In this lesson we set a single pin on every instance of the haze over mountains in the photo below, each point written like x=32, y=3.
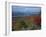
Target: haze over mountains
x=25, y=11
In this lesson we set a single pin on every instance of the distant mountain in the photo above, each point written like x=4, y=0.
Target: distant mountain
x=25, y=14
x=17, y=14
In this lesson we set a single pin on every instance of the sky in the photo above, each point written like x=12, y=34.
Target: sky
x=26, y=9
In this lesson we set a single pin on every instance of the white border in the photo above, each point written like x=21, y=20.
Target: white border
x=9, y=17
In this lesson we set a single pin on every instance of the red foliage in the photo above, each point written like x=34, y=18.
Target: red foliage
x=37, y=20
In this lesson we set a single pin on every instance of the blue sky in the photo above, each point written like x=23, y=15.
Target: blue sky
x=27, y=10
